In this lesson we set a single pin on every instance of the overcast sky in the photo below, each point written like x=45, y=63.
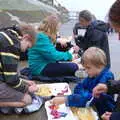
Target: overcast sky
x=98, y=7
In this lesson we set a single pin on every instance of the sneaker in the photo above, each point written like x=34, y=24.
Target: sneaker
x=80, y=73
x=18, y=110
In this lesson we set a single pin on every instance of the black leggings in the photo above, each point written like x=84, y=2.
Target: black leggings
x=60, y=69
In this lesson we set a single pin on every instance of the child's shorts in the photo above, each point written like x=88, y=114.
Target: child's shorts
x=9, y=94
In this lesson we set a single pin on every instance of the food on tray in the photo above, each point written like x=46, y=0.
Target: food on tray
x=83, y=113
x=63, y=91
x=44, y=91
x=54, y=112
x=57, y=114
x=53, y=107
x=53, y=89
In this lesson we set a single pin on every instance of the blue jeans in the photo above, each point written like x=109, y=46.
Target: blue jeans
x=60, y=69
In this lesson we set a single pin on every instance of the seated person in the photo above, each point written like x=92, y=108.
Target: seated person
x=15, y=92
x=43, y=58
x=94, y=62
x=90, y=32
x=112, y=87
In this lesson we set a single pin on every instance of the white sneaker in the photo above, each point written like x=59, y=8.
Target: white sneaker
x=80, y=73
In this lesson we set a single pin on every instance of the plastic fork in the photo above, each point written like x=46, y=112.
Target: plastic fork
x=89, y=102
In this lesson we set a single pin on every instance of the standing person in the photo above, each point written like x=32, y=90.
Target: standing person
x=43, y=57
x=94, y=62
x=112, y=86
x=91, y=32
x=14, y=92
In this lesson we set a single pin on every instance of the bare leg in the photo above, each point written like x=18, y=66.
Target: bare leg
x=25, y=101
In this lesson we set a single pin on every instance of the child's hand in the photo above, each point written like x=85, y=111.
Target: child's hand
x=58, y=100
x=76, y=48
x=106, y=116
x=29, y=82
x=100, y=88
x=33, y=88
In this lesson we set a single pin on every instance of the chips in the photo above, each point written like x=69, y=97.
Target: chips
x=44, y=91
x=83, y=113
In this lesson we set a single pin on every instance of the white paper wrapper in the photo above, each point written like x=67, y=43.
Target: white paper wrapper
x=81, y=32
x=62, y=108
x=70, y=116
x=57, y=88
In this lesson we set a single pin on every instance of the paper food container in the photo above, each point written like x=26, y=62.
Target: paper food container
x=53, y=89
x=60, y=112
x=84, y=113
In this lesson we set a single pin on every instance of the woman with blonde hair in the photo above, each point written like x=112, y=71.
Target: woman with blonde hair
x=43, y=57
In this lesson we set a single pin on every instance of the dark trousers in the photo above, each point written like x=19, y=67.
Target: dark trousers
x=60, y=69
x=115, y=116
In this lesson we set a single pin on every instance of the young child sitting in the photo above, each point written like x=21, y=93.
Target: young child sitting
x=95, y=64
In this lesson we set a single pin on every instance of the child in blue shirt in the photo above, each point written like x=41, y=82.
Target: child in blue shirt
x=94, y=62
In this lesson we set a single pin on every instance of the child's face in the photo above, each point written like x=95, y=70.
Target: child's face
x=84, y=22
x=92, y=70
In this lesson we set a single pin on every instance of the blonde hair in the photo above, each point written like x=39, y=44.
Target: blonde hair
x=49, y=26
x=94, y=56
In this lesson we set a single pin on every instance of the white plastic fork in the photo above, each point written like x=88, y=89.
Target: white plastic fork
x=88, y=102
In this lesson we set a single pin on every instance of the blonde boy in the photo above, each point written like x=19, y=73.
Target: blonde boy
x=94, y=62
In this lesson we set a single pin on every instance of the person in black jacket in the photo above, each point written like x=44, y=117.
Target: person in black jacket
x=112, y=87
x=91, y=32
